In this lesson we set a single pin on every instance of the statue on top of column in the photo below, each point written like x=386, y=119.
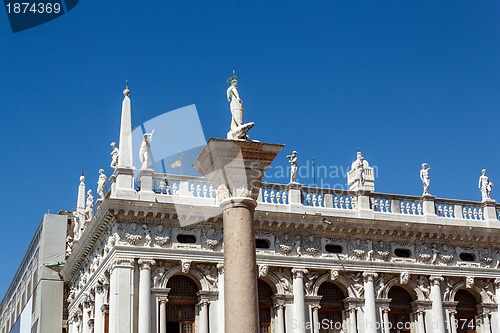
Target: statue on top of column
x=145, y=150
x=485, y=186
x=238, y=128
x=425, y=177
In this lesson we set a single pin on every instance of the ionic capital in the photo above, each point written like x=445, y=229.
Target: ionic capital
x=146, y=264
x=298, y=273
x=436, y=280
x=369, y=276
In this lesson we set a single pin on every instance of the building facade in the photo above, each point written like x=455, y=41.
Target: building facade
x=149, y=258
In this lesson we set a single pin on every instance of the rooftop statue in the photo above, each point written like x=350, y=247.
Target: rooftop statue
x=102, y=182
x=485, y=186
x=293, y=162
x=145, y=151
x=238, y=128
x=425, y=177
x=114, y=155
x=89, y=207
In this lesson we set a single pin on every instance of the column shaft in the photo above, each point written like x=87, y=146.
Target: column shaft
x=386, y=320
x=204, y=316
x=299, y=320
x=121, y=295
x=315, y=320
x=145, y=295
x=85, y=320
x=98, y=315
x=437, y=305
x=486, y=323
x=163, y=316
x=420, y=322
x=352, y=320
x=281, y=319
x=240, y=276
x=370, y=312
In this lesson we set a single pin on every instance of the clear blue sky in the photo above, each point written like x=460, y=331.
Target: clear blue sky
x=406, y=81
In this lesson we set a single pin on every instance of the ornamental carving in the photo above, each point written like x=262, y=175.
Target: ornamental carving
x=423, y=285
x=210, y=274
x=185, y=266
x=284, y=244
x=212, y=238
x=285, y=277
x=312, y=246
x=159, y=273
x=310, y=279
x=356, y=283
x=263, y=270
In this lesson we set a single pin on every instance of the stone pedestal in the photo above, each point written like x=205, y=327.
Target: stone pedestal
x=428, y=208
x=146, y=183
x=235, y=169
x=490, y=213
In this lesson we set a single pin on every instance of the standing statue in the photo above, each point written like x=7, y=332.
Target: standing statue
x=145, y=151
x=114, y=155
x=425, y=177
x=293, y=163
x=89, y=207
x=485, y=185
x=238, y=128
x=102, y=182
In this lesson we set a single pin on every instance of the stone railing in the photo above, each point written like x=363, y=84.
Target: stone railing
x=328, y=198
x=456, y=209
x=187, y=186
x=296, y=195
x=396, y=204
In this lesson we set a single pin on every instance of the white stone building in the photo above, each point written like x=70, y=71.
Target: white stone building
x=150, y=260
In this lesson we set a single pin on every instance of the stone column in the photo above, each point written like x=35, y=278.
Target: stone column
x=370, y=311
x=486, y=320
x=86, y=317
x=98, y=315
x=437, y=305
x=315, y=317
x=121, y=295
x=385, y=317
x=220, y=301
x=497, y=298
x=299, y=320
x=352, y=319
x=203, y=304
x=421, y=321
x=163, y=315
x=280, y=318
x=145, y=295
x=235, y=169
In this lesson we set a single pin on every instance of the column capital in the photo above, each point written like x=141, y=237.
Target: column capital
x=163, y=300
x=298, y=273
x=204, y=302
x=146, y=263
x=105, y=308
x=91, y=323
x=436, y=280
x=369, y=276
x=122, y=263
x=385, y=309
x=315, y=307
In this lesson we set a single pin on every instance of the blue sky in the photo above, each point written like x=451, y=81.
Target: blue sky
x=405, y=81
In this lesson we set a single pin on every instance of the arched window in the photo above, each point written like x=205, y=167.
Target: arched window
x=399, y=316
x=181, y=304
x=331, y=307
x=465, y=319
x=265, y=304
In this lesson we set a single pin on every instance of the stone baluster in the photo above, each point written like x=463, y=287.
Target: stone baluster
x=145, y=295
x=370, y=314
x=437, y=304
x=298, y=300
